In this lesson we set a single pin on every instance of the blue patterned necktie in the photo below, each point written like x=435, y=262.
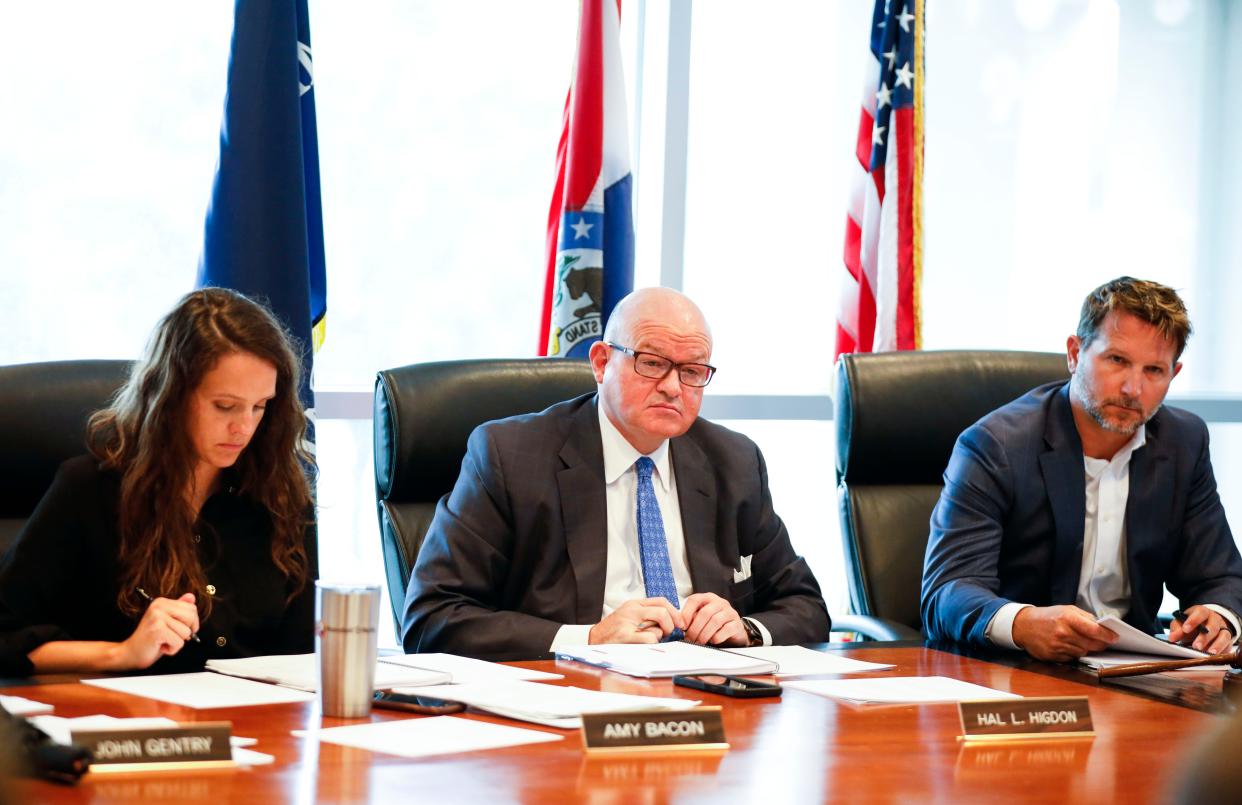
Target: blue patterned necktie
x=652, y=546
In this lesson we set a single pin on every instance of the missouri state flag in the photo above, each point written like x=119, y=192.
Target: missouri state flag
x=879, y=303
x=264, y=231
x=590, y=237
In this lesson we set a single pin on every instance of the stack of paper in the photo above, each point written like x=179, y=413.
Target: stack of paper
x=300, y=671
x=552, y=705
x=799, y=661
x=1134, y=646
x=466, y=670
x=666, y=659
x=900, y=690
x=1112, y=659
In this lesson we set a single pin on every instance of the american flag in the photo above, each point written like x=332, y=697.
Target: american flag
x=883, y=252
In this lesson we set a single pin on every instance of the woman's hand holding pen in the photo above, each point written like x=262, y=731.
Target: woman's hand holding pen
x=164, y=629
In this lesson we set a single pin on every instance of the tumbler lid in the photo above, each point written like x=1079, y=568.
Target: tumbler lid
x=347, y=606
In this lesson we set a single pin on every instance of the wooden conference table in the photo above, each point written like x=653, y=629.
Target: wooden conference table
x=799, y=748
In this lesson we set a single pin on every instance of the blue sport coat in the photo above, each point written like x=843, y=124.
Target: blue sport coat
x=1009, y=523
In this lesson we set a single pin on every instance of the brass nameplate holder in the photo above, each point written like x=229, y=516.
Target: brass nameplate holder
x=1023, y=719
x=654, y=730
x=186, y=746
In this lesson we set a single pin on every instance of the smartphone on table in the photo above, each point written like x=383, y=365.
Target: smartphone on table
x=736, y=686
x=424, y=705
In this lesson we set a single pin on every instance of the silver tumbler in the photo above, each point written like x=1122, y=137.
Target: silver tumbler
x=346, y=617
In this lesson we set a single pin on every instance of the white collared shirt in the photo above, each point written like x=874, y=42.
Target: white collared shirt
x=1104, y=577
x=623, y=578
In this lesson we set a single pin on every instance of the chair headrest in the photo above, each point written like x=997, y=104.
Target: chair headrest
x=424, y=414
x=898, y=414
x=43, y=413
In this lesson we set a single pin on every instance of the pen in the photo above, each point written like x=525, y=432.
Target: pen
x=143, y=593
x=1180, y=616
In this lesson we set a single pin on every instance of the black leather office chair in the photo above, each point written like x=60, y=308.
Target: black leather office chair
x=43, y=413
x=424, y=414
x=898, y=416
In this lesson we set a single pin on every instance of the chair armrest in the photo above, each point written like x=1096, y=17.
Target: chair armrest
x=874, y=628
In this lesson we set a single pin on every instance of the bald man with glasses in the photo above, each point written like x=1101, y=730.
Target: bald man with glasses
x=615, y=517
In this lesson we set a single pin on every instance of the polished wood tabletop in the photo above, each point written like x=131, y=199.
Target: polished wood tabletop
x=798, y=748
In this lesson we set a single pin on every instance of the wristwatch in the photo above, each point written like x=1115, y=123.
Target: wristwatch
x=752, y=632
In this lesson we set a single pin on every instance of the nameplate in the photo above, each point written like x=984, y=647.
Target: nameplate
x=654, y=730
x=1047, y=717
x=190, y=745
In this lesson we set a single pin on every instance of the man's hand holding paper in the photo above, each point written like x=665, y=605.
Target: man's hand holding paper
x=1060, y=633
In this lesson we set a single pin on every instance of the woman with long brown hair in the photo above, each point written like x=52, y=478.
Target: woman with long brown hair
x=187, y=533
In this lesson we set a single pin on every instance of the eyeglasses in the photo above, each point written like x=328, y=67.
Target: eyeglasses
x=657, y=367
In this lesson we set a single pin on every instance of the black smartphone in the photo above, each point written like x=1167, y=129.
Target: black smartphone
x=426, y=705
x=736, y=686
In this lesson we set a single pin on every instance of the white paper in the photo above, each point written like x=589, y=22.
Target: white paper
x=301, y=671
x=467, y=670
x=1109, y=659
x=249, y=757
x=202, y=690
x=17, y=706
x=665, y=659
x=900, y=690
x=1137, y=642
x=799, y=661
x=552, y=705
x=59, y=729
x=423, y=737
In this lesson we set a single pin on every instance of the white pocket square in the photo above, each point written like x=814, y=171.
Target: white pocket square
x=742, y=573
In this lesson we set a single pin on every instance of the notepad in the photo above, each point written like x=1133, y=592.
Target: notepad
x=665, y=659
x=799, y=661
x=550, y=705
x=301, y=671
x=423, y=737
x=900, y=690
x=202, y=690
x=467, y=670
x=1111, y=659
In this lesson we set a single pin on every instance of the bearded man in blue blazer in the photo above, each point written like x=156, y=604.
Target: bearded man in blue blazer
x=616, y=517
x=1081, y=499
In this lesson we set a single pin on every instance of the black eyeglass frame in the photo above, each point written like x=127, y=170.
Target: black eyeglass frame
x=633, y=353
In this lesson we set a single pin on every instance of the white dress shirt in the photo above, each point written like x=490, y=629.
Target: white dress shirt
x=1104, y=578
x=623, y=578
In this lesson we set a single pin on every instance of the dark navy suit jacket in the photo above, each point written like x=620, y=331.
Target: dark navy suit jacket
x=520, y=546
x=1009, y=523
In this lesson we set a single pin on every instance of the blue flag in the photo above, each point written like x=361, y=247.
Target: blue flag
x=264, y=233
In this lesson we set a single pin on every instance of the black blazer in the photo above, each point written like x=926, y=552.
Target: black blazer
x=519, y=547
x=60, y=579
x=1009, y=523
